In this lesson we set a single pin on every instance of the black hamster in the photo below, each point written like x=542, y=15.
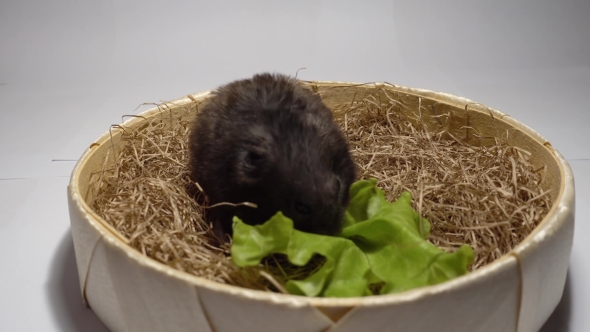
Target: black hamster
x=271, y=141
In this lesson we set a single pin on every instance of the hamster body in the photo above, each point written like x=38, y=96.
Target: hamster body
x=272, y=142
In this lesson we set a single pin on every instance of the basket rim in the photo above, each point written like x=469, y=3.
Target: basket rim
x=552, y=220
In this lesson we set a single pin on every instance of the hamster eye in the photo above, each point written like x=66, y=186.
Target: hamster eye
x=337, y=186
x=341, y=193
x=302, y=208
x=253, y=158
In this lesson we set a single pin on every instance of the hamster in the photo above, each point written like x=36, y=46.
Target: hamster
x=271, y=141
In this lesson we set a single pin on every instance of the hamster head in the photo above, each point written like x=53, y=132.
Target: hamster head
x=297, y=172
x=272, y=142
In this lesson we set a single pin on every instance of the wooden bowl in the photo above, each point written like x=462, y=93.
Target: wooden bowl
x=131, y=292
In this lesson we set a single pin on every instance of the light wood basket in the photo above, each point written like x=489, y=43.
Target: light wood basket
x=131, y=292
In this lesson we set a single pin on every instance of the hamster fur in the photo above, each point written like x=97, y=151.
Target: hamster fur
x=271, y=141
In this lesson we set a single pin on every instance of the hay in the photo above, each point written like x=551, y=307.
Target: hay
x=488, y=197
x=147, y=197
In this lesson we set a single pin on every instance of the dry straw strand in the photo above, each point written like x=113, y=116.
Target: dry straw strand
x=486, y=196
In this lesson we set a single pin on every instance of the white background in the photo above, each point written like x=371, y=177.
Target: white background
x=69, y=69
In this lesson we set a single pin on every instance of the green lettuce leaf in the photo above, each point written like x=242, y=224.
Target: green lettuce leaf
x=382, y=243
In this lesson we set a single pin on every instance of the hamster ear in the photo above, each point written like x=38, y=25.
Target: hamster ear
x=254, y=157
x=252, y=164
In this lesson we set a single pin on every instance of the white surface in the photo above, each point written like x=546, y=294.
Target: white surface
x=69, y=69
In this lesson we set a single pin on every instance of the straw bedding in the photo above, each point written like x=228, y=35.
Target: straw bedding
x=488, y=197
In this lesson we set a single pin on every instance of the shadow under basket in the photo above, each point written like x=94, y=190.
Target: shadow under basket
x=517, y=292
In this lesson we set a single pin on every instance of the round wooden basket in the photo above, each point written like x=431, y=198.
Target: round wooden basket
x=132, y=292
